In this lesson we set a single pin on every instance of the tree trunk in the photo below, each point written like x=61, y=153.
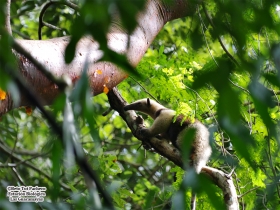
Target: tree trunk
x=50, y=53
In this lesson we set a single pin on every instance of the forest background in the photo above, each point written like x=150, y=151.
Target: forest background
x=219, y=64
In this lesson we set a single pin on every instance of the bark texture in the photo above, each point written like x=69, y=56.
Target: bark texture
x=161, y=146
x=50, y=53
x=102, y=75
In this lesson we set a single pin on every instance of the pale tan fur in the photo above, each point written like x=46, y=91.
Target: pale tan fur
x=162, y=122
x=202, y=149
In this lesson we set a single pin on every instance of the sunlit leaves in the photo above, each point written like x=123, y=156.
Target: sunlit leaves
x=243, y=99
x=258, y=178
x=187, y=69
x=262, y=98
x=185, y=109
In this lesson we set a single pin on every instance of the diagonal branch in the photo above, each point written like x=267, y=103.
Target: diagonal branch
x=134, y=122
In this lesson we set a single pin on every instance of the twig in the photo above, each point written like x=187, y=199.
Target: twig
x=240, y=196
x=202, y=23
x=51, y=26
x=107, y=112
x=42, y=13
x=230, y=174
x=21, y=34
x=222, y=46
x=271, y=162
x=219, y=38
x=144, y=89
x=8, y=152
x=211, y=114
x=247, y=91
x=18, y=176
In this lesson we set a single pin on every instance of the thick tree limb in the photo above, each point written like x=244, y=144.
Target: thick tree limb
x=50, y=53
x=134, y=122
x=225, y=183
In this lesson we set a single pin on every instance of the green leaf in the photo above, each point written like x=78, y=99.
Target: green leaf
x=262, y=100
x=56, y=166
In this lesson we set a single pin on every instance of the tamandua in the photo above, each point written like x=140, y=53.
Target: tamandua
x=165, y=126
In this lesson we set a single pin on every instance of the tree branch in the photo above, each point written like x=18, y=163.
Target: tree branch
x=161, y=146
x=50, y=53
x=90, y=176
x=45, y=7
x=134, y=122
x=8, y=16
x=219, y=38
x=20, y=161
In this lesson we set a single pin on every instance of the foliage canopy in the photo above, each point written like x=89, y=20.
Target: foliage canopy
x=220, y=65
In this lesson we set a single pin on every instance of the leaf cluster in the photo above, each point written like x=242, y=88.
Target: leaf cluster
x=220, y=66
